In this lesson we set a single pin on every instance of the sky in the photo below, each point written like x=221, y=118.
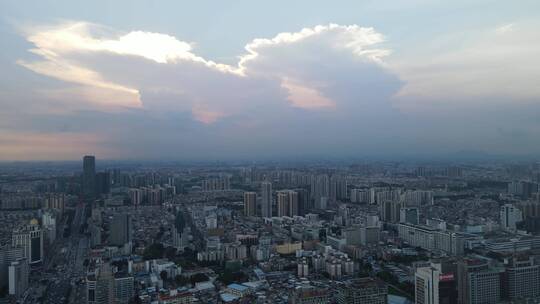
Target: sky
x=218, y=80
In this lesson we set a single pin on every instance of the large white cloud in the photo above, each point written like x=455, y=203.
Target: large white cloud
x=329, y=89
x=100, y=58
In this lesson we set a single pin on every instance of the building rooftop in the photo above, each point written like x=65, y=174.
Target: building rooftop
x=227, y=297
x=238, y=287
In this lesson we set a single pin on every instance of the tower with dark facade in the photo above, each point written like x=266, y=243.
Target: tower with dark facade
x=89, y=177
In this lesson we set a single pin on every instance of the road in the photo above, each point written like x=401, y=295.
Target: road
x=64, y=266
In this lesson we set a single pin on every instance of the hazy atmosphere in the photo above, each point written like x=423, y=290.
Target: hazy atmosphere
x=210, y=79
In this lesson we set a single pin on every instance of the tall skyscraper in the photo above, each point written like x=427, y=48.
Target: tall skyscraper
x=100, y=286
x=180, y=237
x=250, y=203
x=48, y=221
x=103, y=183
x=120, y=229
x=390, y=211
x=320, y=190
x=454, y=172
x=510, y=216
x=304, y=205
x=266, y=202
x=435, y=285
x=123, y=288
x=478, y=281
x=30, y=238
x=116, y=177
x=18, y=277
x=217, y=184
x=89, y=176
x=522, y=279
x=287, y=203
x=8, y=254
x=293, y=203
x=95, y=234
x=338, y=187
x=282, y=201
x=359, y=196
x=417, y=198
x=135, y=196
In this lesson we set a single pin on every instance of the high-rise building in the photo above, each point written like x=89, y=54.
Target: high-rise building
x=55, y=201
x=382, y=196
x=409, y=216
x=369, y=235
x=478, y=281
x=103, y=183
x=454, y=172
x=250, y=203
x=216, y=184
x=282, y=199
x=123, y=288
x=117, y=177
x=343, y=217
x=18, y=277
x=510, y=216
x=120, y=229
x=523, y=189
x=8, y=254
x=180, y=237
x=100, y=286
x=338, y=187
x=417, y=198
x=435, y=285
x=303, y=269
x=266, y=202
x=521, y=279
x=351, y=235
x=304, y=205
x=48, y=219
x=136, y=196
x=320, y=190
x=287, y=203
x=529, y=208
x=30, y=238
x=211, y=221
x=95, y=234
x=293, y=203
x=359, y=196
x=89, y=176
x=390, y=211
x=364, y=291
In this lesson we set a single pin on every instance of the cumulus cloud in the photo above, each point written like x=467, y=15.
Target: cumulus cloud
x=355, y=39
x=100, y=58
x=281, y=89
x=329, y=89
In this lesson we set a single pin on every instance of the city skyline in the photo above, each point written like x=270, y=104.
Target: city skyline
x=186, y=81
x=270, y=152
x=323, y=232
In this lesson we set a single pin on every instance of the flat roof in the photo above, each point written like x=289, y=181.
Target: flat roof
x=227, y=297
x=238, y=287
